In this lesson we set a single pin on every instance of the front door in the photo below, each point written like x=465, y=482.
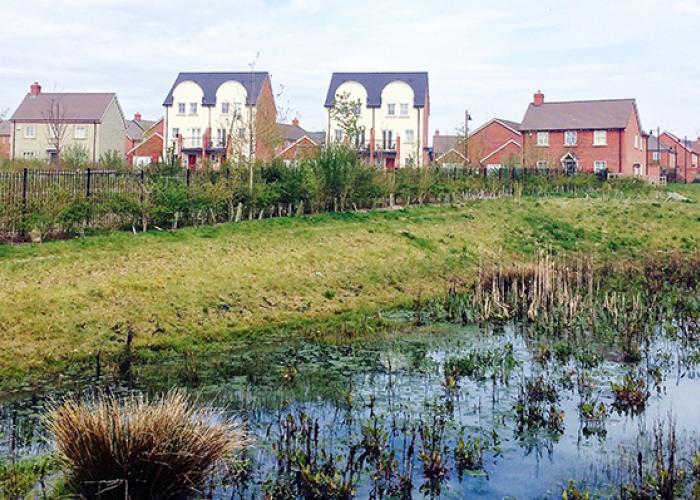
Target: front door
x=570, y=165
x=390, y=163
x=191, y=161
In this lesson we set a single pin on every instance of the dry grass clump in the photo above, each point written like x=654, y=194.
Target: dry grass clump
x=133, y=447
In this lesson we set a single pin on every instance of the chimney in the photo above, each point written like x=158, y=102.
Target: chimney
x=137, y=117
x=35, y=89
x=437, y=131
x=539, y=98
x=295, y=122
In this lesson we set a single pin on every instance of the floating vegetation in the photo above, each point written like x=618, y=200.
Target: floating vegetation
x=631, y=394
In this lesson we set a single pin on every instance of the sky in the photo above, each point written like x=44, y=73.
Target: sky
x=487, y=57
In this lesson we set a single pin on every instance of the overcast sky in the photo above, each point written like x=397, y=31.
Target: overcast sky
x=488, y=57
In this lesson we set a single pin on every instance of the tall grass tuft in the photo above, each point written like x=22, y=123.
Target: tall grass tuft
x=135, y=447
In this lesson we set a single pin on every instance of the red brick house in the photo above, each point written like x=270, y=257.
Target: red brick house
x=297, y=143
x=661, y=159
x=148, y=148
x=687, y=156
x=584, y=136
x=497, y=142
x=5, y=134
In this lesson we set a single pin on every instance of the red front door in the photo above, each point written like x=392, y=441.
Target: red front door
x=390, y=163
x=191, y=161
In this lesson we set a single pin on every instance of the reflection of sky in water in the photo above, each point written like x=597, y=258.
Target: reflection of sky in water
x=405, y=377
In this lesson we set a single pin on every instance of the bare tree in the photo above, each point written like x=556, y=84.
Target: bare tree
x=55, y=116
x=345, y=112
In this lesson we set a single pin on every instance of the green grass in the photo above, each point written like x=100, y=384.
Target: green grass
x=194, y=289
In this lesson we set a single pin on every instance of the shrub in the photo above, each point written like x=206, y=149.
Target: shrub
x=166, y=447
x=75, y=157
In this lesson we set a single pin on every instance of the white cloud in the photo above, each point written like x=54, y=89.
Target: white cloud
x=489, y=58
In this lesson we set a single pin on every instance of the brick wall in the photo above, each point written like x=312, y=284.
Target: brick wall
x=267, y=135
x=584, y=150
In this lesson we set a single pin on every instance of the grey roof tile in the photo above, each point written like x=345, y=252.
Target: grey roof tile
x=210, y=83
x=579, y=115
x=374, y=83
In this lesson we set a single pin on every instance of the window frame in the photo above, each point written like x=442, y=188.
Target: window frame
x=596, y=142
x=181, y=108
x=225, y=108
x=194, y=109
x=338, y=135
x=391, y=109
x=403, y=109
x=542, y=143
x=84, y=134
x=410, y=132
x=567, y=135
x=596, y=164
x=26, y=133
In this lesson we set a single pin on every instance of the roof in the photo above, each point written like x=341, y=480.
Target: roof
x=686, y=144
x=5, y=128
x=579, y=115
x=317, y=137
x=136, y=128
x=210, y=83
x=374, y=83
x=509, y=123
x=291, y=132
x=443, y=143
x=74, y=107
x=653, y=145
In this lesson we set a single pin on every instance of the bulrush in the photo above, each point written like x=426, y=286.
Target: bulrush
x=135, y=447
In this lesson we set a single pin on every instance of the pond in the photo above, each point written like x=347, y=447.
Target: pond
x=444, y=410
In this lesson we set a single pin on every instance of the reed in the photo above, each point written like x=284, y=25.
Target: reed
x=135, y=447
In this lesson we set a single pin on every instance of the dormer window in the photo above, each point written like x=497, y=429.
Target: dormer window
x=404, y=109
x=193, y=108
x=181, y=108
x=225, y=108
x=238, y=108
x=357, y=109
x=570, y=137
x=391, y=109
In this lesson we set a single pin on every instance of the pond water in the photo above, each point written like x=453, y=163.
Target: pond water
x=520, y=401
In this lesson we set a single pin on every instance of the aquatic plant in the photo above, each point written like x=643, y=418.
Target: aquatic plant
x=631, y=394
x=136, y=447
x=536, y=407
x=469, y=453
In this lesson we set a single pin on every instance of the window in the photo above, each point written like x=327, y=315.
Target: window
x=357, y=108
x=600, y=138
x=542, y=164
x=410, y=136
x=30, y=132
x=387, y=139
x=220, y=138
x=241, y=133
x=656, y=156
x=28, y=155
x=637, y=142
x=570, y=137
x=360, y=139
x=225, y=108
x=193, y=108
x=404, y=109
x=238, y=108
x=80, y=132
x=181, y=108
x=543, y=138
x=338, y=134
x=176, y=132
x=600, y=166
x=391, y=109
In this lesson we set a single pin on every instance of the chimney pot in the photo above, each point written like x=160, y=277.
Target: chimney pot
x=295, y=122
x=539, y=98
x=437, y=131
x=35, y=89
x=137, y=117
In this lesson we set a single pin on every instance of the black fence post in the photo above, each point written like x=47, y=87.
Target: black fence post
x=189, y=174
x=143, y=184
x=87, y=183
x=25, y=178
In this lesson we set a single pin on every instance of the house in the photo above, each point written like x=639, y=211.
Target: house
x=220, y=116
x=661, y=159
x=45, y=124
x=145, y=138
x=587, y=136
x=687, y=156
x=496, y=143
x=392, y=112
x=297, y=143
x=5, y=129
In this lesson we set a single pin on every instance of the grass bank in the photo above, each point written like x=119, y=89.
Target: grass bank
x=195, y=289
